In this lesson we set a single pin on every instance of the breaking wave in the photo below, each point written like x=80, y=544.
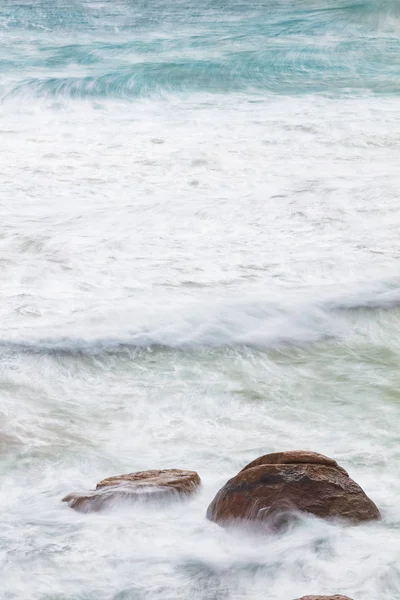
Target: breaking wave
x=251, y=323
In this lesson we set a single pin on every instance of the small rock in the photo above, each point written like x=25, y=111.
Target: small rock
x=336, y=597
x=276, y=486
x=136, y=487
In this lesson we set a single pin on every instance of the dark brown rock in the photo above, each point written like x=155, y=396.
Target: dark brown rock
x=336, y=597
x=274, y=487
x=294, y=457
x=136, y=487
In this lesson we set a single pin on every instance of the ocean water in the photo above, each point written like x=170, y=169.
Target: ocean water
x=199, y=264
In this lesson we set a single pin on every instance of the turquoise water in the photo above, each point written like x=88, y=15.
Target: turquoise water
x=199, y=264
x=140, y=49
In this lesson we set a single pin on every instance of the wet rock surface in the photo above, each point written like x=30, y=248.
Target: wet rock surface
x=336, y=597
x=143, y=486
x=275, y=487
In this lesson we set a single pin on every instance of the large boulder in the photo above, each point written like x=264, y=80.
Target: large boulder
x=336, y=597
x=274, y=487
x=136, y=487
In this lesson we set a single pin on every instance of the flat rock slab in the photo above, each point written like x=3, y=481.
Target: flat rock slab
x=143, y=486
x=276, y=486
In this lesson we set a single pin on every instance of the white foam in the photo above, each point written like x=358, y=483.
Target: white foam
x=253, y=222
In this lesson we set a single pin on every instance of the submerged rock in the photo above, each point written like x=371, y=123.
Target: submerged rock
x=336, y=597
x=274, y=487
x=136, y=487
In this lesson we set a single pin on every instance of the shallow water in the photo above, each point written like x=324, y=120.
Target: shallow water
x=199, y=264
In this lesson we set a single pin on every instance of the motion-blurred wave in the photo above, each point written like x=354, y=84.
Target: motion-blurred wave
x=277, y=47
x=252, y=323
